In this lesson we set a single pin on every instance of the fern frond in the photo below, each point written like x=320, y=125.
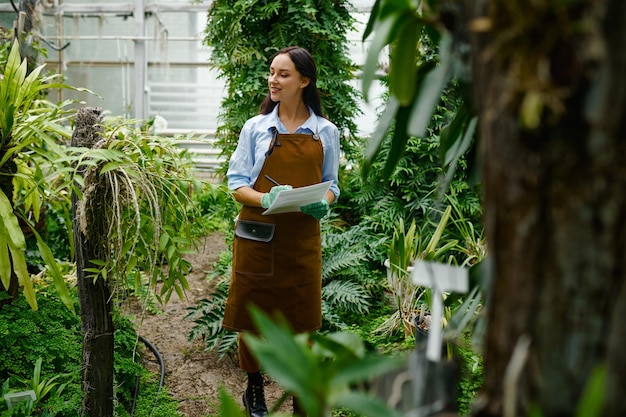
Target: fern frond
x=346, y=296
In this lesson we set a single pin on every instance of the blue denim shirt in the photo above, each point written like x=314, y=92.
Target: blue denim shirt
x=246, y=162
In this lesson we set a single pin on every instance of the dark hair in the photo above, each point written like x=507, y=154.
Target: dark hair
x=305, y=64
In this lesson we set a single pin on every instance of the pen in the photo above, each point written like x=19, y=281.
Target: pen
x=271, y=180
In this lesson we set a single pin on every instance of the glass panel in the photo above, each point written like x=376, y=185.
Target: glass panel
x=176, y=37
x=91, y=38
x=114, y=83
x=188, y=98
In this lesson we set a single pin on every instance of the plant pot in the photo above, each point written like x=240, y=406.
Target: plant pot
x=435, y=383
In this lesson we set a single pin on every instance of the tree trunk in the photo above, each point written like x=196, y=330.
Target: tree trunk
x=94, y=295
x=554, y=204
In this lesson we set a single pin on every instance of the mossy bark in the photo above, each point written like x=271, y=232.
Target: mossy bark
x=94, y=294
x=554, y=204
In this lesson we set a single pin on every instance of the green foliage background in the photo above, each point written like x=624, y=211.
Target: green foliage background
x=53, y=333
x=244, y=35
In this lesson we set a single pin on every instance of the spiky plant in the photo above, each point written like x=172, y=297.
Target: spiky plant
x=30, y=129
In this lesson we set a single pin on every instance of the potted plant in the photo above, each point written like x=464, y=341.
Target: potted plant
x=407, y=246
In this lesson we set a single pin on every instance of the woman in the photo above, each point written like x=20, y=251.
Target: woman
x=277, y=259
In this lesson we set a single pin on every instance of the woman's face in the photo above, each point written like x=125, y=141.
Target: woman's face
x=285, y=82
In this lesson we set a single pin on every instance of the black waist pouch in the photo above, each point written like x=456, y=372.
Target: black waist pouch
x=260, y=232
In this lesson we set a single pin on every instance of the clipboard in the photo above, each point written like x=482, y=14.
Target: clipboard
x=291, y=200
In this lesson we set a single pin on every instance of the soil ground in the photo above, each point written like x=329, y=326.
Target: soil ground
x=194, y=376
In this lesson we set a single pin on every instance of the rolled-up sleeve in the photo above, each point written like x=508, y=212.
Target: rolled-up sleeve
x=330, y=168
x=241, y=161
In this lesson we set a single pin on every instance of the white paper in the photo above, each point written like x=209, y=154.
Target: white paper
x=291, y=200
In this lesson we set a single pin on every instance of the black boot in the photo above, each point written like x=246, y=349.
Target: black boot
x=254, y=397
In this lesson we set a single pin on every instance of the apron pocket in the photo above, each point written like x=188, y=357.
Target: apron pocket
x=254, y=248
x=257, y=231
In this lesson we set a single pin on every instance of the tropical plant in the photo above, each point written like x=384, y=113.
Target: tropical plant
x=137, y=197
x=418, y=80
x=42, y=387
x=406, y=246
x=323, y=371
x=30, y=128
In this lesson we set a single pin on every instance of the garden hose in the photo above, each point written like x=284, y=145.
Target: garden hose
x=159, y=357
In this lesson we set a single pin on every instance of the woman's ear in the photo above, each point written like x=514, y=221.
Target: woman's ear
x=305, y=81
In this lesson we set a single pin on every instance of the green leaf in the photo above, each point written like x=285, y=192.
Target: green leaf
x=365, y=405
x=380, y=133
x=5, y=261
x=110, y=166
x=372, y=20
x=381, y=38
x=289, y=363
x=51, y=263
x=403, y=60
x=431, y=86
x=21, y=270
x=594, y=396
x=11, y=225
x=398, y=141
x=228, y=406
x=441, y=226
x=451, y=133
x=368, y=367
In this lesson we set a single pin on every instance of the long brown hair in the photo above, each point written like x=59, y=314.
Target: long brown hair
x=305, y=64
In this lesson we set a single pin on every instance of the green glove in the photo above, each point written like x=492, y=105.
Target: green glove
x=268, y=198
x=318, y=209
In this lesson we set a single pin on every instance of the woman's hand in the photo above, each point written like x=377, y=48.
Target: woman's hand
x=268, y=198
x=318, y=209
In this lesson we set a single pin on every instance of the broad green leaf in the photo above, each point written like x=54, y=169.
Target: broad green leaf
x=228, y=406
x=372, y=20
x=287, y=362
x=451, y=133
x=57, y=277
x=28, y=89
x=365, y=405
x=11, y=225
x=132, y=262
x=110, y=166
x=368, y=367
x=21, y=270
x=461, y=145
x=441, y=226
x=380, y=133
x=382, y=37
x=398, y=141
x=389, y=7
x=163, y=240
x=5, y=261
x=403, y=60
x=594, y=396
x=429, y=91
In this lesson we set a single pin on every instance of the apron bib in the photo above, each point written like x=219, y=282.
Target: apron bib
x=282, y=275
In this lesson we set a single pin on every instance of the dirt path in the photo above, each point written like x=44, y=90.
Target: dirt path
x=193, y=377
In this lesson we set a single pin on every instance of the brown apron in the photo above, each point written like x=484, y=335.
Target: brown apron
x=285, y=274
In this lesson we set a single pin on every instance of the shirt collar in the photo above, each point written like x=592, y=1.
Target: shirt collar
x=310, y=123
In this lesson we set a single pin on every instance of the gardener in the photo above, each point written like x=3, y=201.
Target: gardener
x=277, y=259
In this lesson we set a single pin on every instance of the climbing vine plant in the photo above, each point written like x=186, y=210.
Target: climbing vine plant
x=243, y=35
